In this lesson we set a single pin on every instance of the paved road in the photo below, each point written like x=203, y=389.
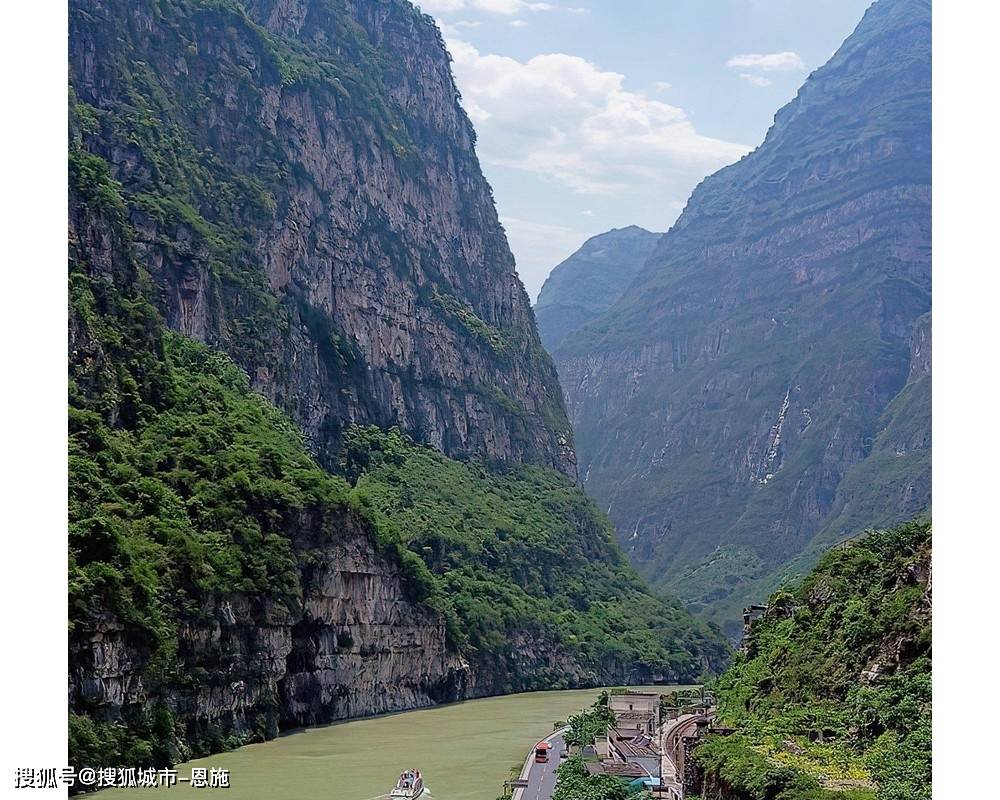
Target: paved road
x=542, y=777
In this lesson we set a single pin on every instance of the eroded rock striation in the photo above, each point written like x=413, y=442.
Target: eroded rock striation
x=761, y=389
x=355, y=646
x=224, y=587
x=277, y=205
x=305, y=194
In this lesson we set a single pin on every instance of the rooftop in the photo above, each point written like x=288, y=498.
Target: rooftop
x=632, y=715
x=619, y=768
x=640, y=746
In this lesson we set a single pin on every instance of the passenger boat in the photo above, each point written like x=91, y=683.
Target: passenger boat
x=409, y=785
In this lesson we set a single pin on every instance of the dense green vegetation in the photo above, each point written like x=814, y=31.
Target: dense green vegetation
x=191, y=500
x=575, y=783
x=504, y=549
x=752, y=770
x=459, y=314
x=833, y=687
x=185, y=485
x=585, y=727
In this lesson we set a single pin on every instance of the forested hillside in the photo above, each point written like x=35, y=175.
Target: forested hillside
x=245, y=555
x=831, y=694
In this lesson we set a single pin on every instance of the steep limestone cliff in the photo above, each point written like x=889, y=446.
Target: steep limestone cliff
x=306, y=196
x=763, y=381
x=223, y=586
x=293, y=186
x=356, y=646
x=214, y=597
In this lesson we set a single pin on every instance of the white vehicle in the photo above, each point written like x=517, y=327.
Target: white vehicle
x=409, y=785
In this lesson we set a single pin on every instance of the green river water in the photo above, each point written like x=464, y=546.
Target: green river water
x=465, y=751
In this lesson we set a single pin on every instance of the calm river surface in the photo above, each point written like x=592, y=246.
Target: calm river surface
x=465, y=751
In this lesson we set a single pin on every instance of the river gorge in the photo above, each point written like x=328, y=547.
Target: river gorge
x=466, y=750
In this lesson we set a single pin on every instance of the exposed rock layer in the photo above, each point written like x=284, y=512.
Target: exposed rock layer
x=293, y=183
x=343, y=637
x=773, y=349
x=355, y=646
x=306, y=196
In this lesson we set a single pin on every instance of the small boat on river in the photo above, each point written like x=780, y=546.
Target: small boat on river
x=410, y=785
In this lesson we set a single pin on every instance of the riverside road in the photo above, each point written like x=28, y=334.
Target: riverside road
x=542, y=777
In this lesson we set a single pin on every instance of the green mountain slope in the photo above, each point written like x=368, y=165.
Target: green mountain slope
x=761, y=389
x=833, y=685
x=224, y=586
x=306, y=196
x=522, y=549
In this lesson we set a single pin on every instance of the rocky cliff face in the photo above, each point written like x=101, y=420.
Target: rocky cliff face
x=763, y=381
x=194, y=665
x=293, y=184
x=589, y=281
x=355, y=646
x=223, y=587
x=305, y=194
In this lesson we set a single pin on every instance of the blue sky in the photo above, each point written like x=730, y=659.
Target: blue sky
x=596, y=114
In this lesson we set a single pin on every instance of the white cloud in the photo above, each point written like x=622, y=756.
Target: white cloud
x=561, y=117
x=508, y=7
x=768, y=62
x=440, y=6
x=518, y=23
x=755, y=80
x=662, y=86
x=505, y=7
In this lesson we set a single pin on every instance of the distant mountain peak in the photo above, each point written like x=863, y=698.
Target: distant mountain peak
x=590, y=280
x=751, y=395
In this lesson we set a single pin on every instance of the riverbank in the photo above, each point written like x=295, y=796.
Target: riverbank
x=463, y=749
